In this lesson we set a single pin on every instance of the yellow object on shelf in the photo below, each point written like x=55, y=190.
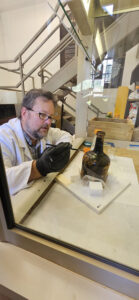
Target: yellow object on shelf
x=121, y=101
x=109, y=114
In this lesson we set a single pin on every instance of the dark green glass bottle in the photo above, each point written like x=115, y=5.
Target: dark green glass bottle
x=96, y=163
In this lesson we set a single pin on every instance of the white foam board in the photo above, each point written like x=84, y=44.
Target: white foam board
x=121, y=176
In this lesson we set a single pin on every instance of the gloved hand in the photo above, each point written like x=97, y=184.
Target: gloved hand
x=53, y=159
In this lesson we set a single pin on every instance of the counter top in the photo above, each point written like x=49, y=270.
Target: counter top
x=127, y=153
x=112, y=234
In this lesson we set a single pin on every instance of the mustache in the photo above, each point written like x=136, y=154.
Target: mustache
x=45, y=127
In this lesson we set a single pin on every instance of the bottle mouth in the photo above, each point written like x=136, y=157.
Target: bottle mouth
x=100, y=133
x=96, y=130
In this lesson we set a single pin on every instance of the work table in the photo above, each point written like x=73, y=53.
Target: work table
x=112, y=234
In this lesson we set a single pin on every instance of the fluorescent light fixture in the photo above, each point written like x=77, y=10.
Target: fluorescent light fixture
x=89, y=102
x=86, y=4
x=108, y=9
x=65, y=1
x=98, y=95
x=99, y=43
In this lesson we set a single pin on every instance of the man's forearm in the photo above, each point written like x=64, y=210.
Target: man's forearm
x=35, y=174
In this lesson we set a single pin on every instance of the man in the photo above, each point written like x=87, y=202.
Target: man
x=25, y=142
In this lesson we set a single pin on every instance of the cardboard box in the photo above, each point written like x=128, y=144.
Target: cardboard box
x=117, y=129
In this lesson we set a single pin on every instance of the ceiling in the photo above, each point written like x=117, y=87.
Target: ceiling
x=15, y=4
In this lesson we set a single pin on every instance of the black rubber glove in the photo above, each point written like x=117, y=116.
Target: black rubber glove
x=53, y=159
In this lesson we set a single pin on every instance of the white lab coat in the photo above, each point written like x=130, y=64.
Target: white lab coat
x=16, y=154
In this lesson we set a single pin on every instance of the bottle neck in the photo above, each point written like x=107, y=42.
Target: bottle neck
x=99, y=145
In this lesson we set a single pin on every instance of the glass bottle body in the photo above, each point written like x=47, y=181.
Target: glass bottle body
x=96, y=163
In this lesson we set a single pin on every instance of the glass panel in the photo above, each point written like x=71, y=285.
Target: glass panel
x=97, y=217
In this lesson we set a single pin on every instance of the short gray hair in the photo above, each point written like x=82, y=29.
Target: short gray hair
x=31, y=96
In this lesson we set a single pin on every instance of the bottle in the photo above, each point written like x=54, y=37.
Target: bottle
x=96, y=163
x=94, y=138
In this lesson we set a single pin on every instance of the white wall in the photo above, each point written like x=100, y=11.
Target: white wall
x=10, y=96
x=130, y=63
x=20, y=25
x=17, y=27
x=1, y=39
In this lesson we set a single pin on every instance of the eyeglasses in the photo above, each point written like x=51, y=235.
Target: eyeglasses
x=42, y=116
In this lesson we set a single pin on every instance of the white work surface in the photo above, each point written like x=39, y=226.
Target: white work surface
x=112, y=234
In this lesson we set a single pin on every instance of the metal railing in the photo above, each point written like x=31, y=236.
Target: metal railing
x=46, y=60
x=22, y=62
x=43, y=63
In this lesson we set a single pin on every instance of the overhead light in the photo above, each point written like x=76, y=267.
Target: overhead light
x=65, y=1
x=108, y=9
x=86, y=4
x=105, y=99
x=89, y=102
x=98, y=95
x=98, y=42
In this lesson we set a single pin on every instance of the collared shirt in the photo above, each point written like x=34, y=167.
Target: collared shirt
x=34, y=149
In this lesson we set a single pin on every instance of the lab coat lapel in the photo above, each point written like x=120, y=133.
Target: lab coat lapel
x=21, y=140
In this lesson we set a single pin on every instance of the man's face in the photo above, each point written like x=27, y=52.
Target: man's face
x=31, y=122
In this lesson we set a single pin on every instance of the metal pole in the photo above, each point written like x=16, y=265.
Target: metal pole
x=21, y=76
x=42, y=77
x=62, y=113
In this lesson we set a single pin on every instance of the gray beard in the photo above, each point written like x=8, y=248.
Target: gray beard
x=37, y=135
